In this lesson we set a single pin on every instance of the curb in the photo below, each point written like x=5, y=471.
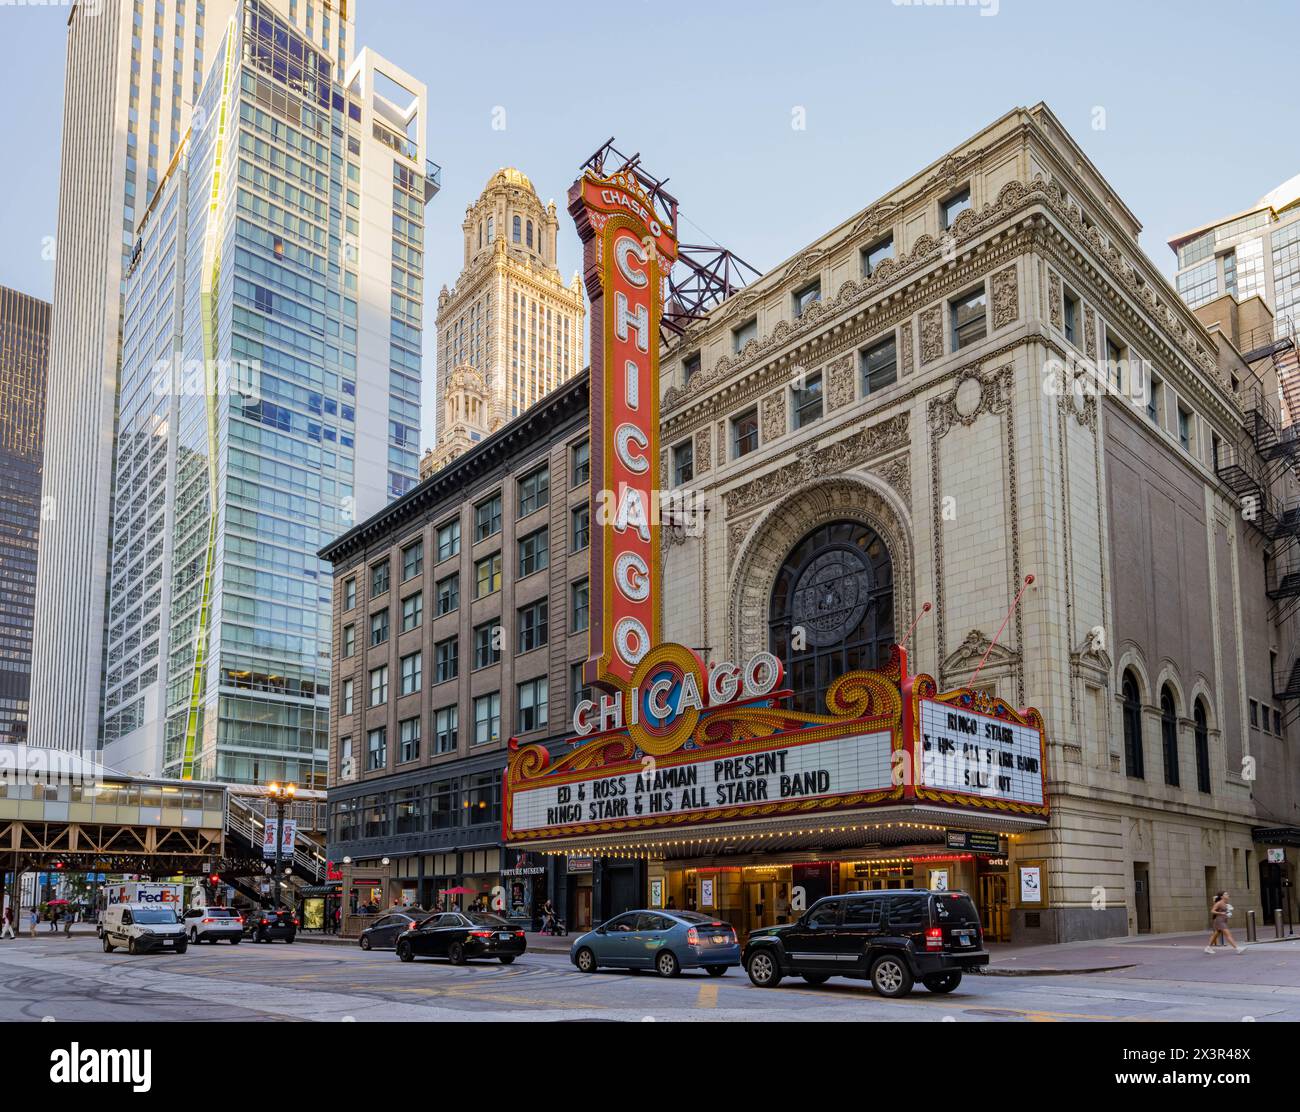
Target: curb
x=1055, y=972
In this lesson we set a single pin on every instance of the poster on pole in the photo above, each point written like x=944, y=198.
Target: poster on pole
x=270, y=830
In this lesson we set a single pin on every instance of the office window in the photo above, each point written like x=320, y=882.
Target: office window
x=879, y=366
x=690, y=367
x=1254, y=713
x=1072, y=318
x=744, y=433
x=379, y=627
x=350, y=593
x=446, y=660
x=969, y=321
x=1184, y=429
x=534, y=491
x=487, y=644
x=1155, y=402
x=1201, y=730
x=449, y=540
x=743, y=333
x=448, y=594
x=581, y=527
x=954, y=206
x=531, y=706
x=1169, y=736
x=446, y=729
x=379, y=686
x=876, y=254
x=533, y=626
x=376, y=749
x=487, y=575
x=487, y=718
x=487, y=518
x=346, y=771
x=580, y=461
x=807, y=401
x=1115, y=362
x=579, y=690
x=412, y=611
x=683, y=462
x=408, y=737
x=580, y=604
x=379, y=579
x=412, y=560
x=349, y=640
x=348, y=687
x=1134, y=762
x=412, y=673
x=534, y=552
x=808, y=295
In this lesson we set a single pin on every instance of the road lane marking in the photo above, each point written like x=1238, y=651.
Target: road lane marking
x=708, y=997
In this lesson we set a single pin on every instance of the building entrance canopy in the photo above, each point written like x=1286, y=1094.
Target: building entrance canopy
x=677, y=769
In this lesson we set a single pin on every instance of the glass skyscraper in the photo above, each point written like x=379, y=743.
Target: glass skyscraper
x=269, y=399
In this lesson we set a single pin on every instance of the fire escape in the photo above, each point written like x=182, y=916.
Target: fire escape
x=1252, y=470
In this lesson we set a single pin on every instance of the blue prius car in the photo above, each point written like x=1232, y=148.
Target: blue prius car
x=665, y=941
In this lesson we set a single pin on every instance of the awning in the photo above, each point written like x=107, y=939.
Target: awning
x=1277, y=835
x=321, y=890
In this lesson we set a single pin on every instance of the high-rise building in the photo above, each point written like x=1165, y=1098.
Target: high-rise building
x=270, y=395
x=133, y=73
x=510, y=320
x=24, y=350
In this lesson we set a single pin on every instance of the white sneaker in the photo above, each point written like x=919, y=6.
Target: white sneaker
x=1241, y=949
x=1211, y=950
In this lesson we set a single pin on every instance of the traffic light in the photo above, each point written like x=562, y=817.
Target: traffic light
x=214, y=880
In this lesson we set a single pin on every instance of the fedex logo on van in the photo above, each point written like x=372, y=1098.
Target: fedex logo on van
x=145, y=894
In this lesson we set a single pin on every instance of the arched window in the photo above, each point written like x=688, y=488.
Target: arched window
x=1202, y=729
x=515, y=232
x=1169, y=735
x=1133, y=763
x=832, y=609
x=480, y=233
x=489, y=229
x=530, y=233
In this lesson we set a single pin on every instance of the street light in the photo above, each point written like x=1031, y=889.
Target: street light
x=281, y=795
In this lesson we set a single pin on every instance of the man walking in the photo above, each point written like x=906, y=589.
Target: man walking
x=8, y=930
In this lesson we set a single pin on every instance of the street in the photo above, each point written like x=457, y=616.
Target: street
x=1167, y=978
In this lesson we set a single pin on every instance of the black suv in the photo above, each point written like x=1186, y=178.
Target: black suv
x=895, y=938
x=265, y=924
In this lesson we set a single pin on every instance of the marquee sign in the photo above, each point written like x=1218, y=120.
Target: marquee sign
x=627, y=254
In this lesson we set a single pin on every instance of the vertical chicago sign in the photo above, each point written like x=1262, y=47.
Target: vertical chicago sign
x=627, y=253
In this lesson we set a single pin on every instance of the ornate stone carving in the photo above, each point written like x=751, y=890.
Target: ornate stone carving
x=736, y=533
x=813, y=462
x=1006, y=297
x=955, y=167
x=967, y=656
x=993, y=395
x=1089, y=332
x=905, y=348
x=897, y=472
x=931, y=334
x=804, y=264
x=877, y=217
x=702, y=452
x=1054, y=298
x=722, y=443
x=774, y=424
x=839, y=383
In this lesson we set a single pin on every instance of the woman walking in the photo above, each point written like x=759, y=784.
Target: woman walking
x=1219, y=922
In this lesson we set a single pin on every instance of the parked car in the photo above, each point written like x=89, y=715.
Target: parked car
x=142, y=928
x=893, y=938
x=269, y=923
x=462, y=936
x=666, y=941
x=383, y=933
x=213, y=924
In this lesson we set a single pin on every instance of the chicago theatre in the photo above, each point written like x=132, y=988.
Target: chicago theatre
x=975, y=421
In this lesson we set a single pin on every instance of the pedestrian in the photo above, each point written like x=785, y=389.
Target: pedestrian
x=67, y=925
x=35, y=918
x=52, y=917
x=1219, y=914
x=8, y=930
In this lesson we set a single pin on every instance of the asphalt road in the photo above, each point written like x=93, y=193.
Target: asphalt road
x=73, y=979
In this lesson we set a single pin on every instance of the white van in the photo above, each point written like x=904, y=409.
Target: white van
x=142, y=928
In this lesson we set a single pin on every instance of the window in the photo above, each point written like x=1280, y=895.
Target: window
x=408, y=737
x=350, y=593
x=379, y=685
x=744, y=433
x=379, y=579
x=446, y=660
x=448, y=540
x=348, y=687
x=487, y=575
x=954, y=206
x=412, y=673
x=683, y=462
x=487, y=644
x=1155, y=402
x=533, y=625
x=579, y=690
x=487, y=518
x=1184, y=429
x=906, y=913
x=581, y=527
x=534, y=552
x=485, y=799
x=345, y=758
x=743, y=333
x=412, y=611
x=580, y=604
x=1169, y=736
x=1202, y=732
x=580, y=462
x=1254, y=714
x=807, y=401
x=379, y=627
x=534, y=491
x=1133, y=760
x=377, y=749
x=1072, y=331
x=446, y=728
x=876, y=254
x=969, y=322
x=412, y=560
x=808, y=295
x=1115, y=362
x=516, y=230
x=487, y=718
x=532, y=706
x=349, y=640
x=448, y=594
x=825, y=914
x=690, y=367
x=863, y=912
x=879, y=366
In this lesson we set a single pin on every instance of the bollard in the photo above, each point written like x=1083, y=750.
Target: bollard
x=1251, y=926
x=1277, y=922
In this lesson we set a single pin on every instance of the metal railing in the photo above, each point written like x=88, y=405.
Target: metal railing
x=308, y=861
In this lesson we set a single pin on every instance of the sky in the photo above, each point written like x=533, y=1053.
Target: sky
x=1188, y=108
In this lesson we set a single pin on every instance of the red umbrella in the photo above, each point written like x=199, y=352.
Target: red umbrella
x=52, y=903
x=459, y=891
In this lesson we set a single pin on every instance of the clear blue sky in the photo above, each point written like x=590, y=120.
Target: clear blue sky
x=1201, y=106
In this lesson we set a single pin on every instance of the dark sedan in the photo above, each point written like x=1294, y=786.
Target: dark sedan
x=267, y=924
x=462, y=936
x=384, y=932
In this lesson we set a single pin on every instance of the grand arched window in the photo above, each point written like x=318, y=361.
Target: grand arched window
x=1202, y=730
x=1133, y=762
x=832, y=609
x=1169, y=735
x=515, y=233
x=530, y=233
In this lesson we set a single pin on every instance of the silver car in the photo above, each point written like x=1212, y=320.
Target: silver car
x=213, y=924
